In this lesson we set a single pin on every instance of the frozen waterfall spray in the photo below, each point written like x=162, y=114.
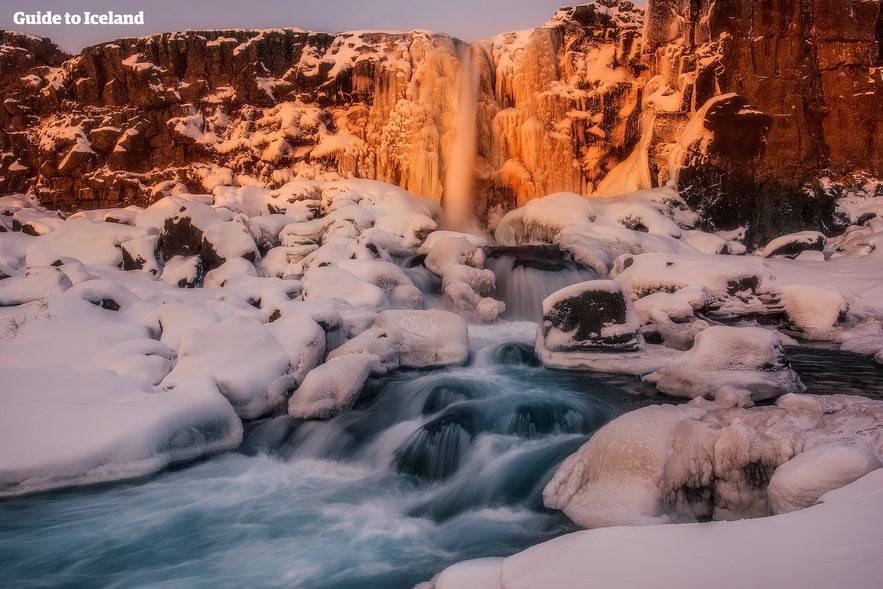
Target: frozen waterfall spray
x=459, y=176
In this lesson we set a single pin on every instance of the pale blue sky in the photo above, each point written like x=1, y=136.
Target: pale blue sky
x=466, y=19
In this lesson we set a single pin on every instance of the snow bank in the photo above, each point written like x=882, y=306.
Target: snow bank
x=830, y=545
x=747, y=358
x=61, y=428
x=666, y=463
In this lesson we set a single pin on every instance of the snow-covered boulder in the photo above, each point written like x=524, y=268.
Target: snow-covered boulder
x=748, y=358
x=730, y=282
x=585, y=319
x=542, y=218
x=226, y=241
x=38, y=283
x=700, y=460
x=333, y=387
x=181, y=223
x=142, y=254
x=243, y=357
x=389, y=277
x=62, y=428
x=183, y=272
x=793, y=244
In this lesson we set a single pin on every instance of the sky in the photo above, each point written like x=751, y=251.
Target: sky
x=466, y=19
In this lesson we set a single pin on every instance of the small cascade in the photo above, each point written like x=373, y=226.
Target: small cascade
x=527, y=274
x=459, y=183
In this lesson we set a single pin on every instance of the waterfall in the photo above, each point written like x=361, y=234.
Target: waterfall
x=457, y=200
x=527, y=274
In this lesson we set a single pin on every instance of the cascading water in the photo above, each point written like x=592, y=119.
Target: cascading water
x=430, y=468
x=459, y=184
x=525, y=275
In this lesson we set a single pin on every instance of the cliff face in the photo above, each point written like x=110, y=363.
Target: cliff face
x=741, y=103
x=126, y=121
x=812, y=67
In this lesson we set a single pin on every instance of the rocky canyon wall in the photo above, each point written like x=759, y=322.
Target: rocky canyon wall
x=742, y=104
x=806, y=102
x=125, y=122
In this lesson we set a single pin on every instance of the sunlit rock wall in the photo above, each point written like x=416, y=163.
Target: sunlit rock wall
x=127, y=121
x=812, y=67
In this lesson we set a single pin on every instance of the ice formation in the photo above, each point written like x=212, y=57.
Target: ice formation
x=703, y=460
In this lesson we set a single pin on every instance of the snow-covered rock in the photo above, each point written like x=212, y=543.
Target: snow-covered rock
x=90, y=242
x=734, y=286
x=748, y=358
x=584, y=320
x=61, y=428
x=35, y=285
x=183, y=272
x=803, y=480
x=812, y=308
x=334, y=284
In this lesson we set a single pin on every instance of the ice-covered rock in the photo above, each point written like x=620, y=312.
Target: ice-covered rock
x=667, y=463
x=62, y=428
x=246, y=379
x=749, y=358
x=586, y=319
x=333, y=387
x=428, y=338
